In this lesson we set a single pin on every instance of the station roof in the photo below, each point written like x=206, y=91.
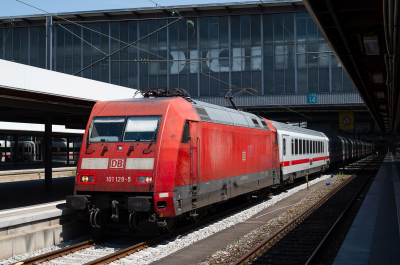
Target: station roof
x=358, y=33
x=28, y=93
x=160, y=11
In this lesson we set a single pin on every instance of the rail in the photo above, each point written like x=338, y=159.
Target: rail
x=267, y=243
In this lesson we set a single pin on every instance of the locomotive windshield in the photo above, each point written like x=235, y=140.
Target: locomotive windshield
x=106, y=129
x=127, y=129
x=142, y=128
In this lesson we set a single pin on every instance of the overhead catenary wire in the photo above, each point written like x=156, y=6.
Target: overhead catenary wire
x=113, y=38
x=197, y=70
x=263, y=98
x=81, y=38
x=129, y=45
x=241, y=92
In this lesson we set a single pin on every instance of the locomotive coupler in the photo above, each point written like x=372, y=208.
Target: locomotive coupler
x=94, y=215
x=115, y=213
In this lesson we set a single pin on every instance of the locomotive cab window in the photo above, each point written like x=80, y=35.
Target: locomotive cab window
x=106, y=129
x=186, y=133
x=142, y=128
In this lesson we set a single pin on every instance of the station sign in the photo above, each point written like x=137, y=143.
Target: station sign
x=312, y=98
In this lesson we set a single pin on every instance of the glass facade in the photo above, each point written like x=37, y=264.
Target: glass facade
x=257, y=51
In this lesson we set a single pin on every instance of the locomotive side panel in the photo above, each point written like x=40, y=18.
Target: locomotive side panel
x=234, y=160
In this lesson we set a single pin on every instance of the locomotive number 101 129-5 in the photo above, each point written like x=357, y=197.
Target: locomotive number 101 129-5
x=118, y=179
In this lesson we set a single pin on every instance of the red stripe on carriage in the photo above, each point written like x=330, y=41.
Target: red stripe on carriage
x=301, y=161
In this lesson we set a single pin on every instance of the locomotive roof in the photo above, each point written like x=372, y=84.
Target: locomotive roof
x=214, y=113
x=217, y=114
x=290, y=128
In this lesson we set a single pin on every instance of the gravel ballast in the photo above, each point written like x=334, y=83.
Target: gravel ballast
x=237, y=249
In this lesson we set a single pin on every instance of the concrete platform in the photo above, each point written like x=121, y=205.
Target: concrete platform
x=36, y=173
x=30, y=228
x=374, y=236
x=28, y=193
x=31, y=218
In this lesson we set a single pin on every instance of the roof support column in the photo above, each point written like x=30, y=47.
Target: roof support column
x=48, y=167
x=49, y=46
x=67, y=150
x=16, y=150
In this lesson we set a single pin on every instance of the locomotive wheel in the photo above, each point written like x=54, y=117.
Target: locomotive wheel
x=214, y=208
x=171, y=224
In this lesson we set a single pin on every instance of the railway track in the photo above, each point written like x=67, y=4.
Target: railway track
x=104, y=250
x=299, y=241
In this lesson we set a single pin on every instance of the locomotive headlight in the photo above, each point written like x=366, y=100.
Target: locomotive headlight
x=144, y=179
x=87, y=178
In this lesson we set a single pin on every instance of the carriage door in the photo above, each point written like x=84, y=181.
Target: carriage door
x=285, y=149
x=285, y=158
x=194, y=156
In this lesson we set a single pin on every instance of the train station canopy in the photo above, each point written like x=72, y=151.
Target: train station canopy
x=364, y=36
x=29, y=93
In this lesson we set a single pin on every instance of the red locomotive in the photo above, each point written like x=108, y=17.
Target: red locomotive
x=160, y=158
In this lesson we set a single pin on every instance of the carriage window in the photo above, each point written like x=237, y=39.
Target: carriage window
x=308, y=146
x=292, y=148
x=304, y=147
x=296, y=146
x=319, y=147
x=314, y=147
x=284, y=146
x=186, y=133
x=300, y=148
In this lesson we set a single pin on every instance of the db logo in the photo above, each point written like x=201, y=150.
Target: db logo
x=117, y=163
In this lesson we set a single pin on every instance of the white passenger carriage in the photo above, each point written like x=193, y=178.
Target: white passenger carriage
x=302, y=151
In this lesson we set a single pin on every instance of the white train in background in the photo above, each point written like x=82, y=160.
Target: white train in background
x=33, y=151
